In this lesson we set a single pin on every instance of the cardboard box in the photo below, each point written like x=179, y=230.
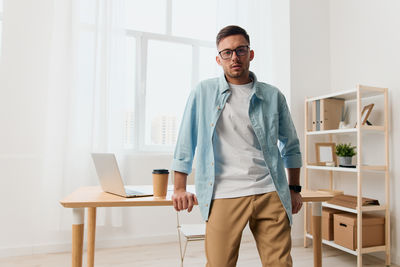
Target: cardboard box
x=326, y=223
x=326, y=114
x=345, y=230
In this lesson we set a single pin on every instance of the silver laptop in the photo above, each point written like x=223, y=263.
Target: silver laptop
x=111, y=180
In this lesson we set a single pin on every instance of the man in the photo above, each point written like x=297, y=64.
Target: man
x=234, y=122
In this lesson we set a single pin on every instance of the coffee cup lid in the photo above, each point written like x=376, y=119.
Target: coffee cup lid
x=160, y=171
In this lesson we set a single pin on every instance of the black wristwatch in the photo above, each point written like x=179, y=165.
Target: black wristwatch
x=295, y=188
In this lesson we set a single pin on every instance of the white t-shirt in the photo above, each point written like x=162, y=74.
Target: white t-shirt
x=240, y=168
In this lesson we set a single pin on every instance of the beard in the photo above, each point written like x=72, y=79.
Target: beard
x=235, y=73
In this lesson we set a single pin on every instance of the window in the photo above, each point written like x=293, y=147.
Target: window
x=171, y=58
x=155, y=57
x=168, y=85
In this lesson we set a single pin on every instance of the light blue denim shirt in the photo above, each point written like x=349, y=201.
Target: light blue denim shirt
x=271, y=121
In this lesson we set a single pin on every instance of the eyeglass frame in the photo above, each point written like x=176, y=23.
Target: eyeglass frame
x=234, y=50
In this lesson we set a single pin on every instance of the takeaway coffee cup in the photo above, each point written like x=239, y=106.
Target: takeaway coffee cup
x=160, y=182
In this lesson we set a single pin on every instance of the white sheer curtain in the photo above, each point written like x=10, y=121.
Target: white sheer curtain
x=84, y=93
x=97, y=94
x=66, y=86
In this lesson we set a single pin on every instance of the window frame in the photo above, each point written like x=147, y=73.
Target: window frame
x=142, y=40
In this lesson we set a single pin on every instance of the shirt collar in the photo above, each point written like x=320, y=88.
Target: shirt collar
x=224, y=86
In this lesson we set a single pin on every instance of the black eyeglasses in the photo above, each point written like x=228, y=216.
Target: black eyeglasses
x=240, y=51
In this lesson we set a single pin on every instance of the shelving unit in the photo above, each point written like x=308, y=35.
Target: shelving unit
x=361, y=92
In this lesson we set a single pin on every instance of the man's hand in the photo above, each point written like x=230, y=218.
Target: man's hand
x=181, y=198
x=297, y=201
x=184, y=200
x=294, y=179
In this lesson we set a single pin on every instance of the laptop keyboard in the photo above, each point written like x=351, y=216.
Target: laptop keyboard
x=131, y=192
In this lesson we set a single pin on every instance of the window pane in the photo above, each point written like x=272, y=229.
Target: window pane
x=87, y=11
x=130, y=79
x=194, y=19
x=83, y=95
x=147, y=16
x=121, y=92
x=169, y=73
x=208, y=66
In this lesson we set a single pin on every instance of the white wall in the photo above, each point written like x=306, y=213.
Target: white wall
x=334, y=46
x=310, y=63
x=365, y=41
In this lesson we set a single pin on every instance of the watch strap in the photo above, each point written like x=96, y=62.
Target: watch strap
x=295, y=188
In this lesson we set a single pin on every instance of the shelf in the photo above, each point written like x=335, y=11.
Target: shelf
x=355, y=99
x=354, y=252
x=373, y=208
x=368, y=128
x=373, y=249
x=336, y=207
x=336, y=131
x=370, y=168
x=373, y=128
x=363, y=208
x=333, y=244
x=324, y=168
x=373, y=168
x=351, y=94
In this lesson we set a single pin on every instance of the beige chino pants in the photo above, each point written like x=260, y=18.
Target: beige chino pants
x=267, y=220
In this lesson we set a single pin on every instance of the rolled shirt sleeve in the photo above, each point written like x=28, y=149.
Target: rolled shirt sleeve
x=289, y=144
x=187, y=137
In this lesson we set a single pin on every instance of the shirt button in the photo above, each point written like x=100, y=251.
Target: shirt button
x=212, y=124
x=206, y=205
x=212, y=163
x=218, y=107
x=210, y=183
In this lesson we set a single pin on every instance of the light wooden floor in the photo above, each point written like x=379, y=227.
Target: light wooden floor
x=165, y=255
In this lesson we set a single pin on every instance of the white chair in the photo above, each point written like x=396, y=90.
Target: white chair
x=190, y=232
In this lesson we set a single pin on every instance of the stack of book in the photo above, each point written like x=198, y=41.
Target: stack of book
x=327, y=113
x=349, y=201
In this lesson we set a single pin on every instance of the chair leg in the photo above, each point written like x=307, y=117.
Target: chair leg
x=184, y=252
x=180, y=245
x=179, y=237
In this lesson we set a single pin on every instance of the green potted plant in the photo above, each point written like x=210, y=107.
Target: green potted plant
x=345, y=152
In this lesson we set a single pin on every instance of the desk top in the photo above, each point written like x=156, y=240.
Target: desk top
x=94, y=196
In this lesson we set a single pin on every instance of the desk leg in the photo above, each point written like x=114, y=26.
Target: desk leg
x=91, y=236
x=77, y=236
x=317, y=238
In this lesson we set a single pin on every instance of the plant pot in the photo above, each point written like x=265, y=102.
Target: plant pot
x=345, y=161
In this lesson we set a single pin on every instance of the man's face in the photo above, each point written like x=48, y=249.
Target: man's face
x=235, y=68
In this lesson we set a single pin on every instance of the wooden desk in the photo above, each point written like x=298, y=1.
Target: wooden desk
x=93, y=197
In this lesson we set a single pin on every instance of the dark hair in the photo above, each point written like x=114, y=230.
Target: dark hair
x=231, y=30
